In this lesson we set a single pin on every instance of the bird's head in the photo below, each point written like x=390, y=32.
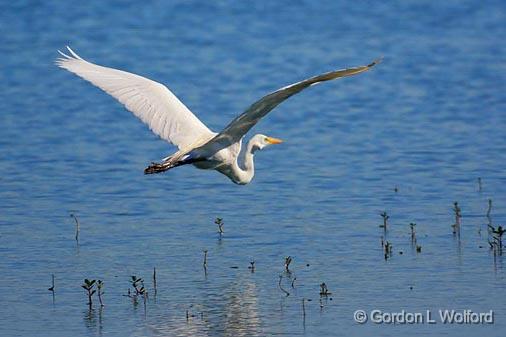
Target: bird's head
x=260, y=141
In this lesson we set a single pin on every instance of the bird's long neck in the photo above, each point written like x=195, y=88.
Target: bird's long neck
x=245, y=166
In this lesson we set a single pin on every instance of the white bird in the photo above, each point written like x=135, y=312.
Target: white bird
x=170, y=119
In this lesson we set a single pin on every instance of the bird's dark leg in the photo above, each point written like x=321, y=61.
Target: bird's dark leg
x=167, y=165
x=157, y=168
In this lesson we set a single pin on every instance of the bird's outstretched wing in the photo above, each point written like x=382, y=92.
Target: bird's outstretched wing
x=150, y=101
x=243, y=123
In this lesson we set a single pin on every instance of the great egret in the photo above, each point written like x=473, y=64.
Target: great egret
x=170, y=119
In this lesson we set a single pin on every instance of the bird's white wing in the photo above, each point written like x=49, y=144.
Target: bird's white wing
x=243, y=123
x=150, y=101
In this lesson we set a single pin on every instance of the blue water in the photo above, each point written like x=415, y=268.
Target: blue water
x=429, y=120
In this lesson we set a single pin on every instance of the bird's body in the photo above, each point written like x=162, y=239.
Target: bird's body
x=167, y=117
x=234, y=161
x=227, y=161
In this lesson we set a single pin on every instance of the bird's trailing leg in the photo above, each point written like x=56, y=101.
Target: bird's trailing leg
x=158, y=167
x=168, y=164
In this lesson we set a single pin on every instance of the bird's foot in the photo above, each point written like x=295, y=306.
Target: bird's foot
x=156, y=168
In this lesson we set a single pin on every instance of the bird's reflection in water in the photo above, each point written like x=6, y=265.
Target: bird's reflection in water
x=241, y=313
x=233, y=312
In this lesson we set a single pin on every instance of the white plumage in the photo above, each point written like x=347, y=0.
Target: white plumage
x=150, y=101
x=170, y=119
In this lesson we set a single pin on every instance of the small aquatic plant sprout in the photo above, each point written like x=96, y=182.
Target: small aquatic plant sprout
x=385, y=217
x=100, y=291
x=77, y=227
x=140, y=290
x=458, y=216
x=412, y=225
x=154, y=280
x=252, y=266
x=288, y=260
x=489, y=209
x=89, y=286
x=219, y=222
x=52, y=283
x=418, y=248
x=204, y=264
x=138, y=285
x=497, y=233
x=324, y=290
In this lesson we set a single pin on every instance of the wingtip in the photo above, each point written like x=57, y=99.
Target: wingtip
x=72, y=56
x=63, y=54
x=375, y=62
x=60, y=61
x=73, y=53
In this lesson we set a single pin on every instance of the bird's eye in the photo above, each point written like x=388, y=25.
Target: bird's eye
x=266, y=139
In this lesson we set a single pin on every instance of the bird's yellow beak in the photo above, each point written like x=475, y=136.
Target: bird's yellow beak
x=272, y=140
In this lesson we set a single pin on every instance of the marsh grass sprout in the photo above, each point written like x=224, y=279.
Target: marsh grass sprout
x=497, y=234
x=288, y=260
x=154, y=281
x=204, y=263
x=52, y=283
x=77, y=226
x=52, y=288
x=100, y=291
x=412, y=226
x=324, y=290
x=385, y=217
x=489, y=209
x=89, y=286
x=221, y=224
x=458, y=215
x=138, y=285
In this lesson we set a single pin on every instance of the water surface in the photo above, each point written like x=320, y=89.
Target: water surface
x=429, y=120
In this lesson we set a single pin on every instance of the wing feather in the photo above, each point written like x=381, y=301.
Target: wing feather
x=150, y=101
x=234, y=131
